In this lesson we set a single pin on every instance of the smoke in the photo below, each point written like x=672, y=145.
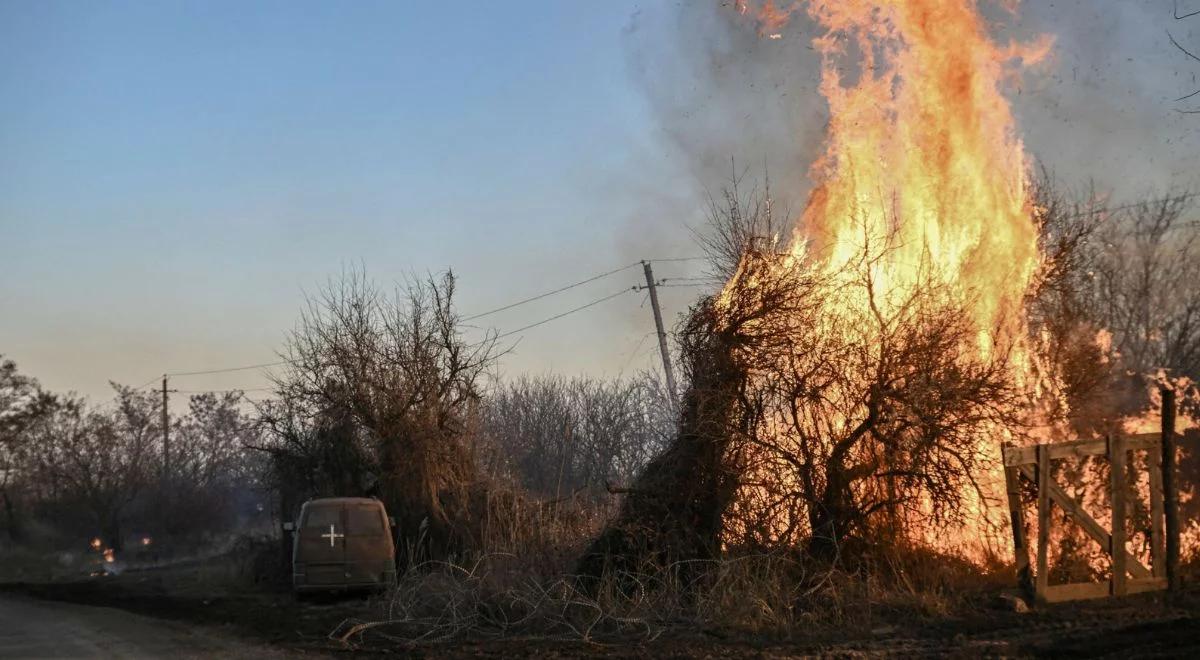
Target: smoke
x=1106, y=109
x=725, y=100
x=1103, y=109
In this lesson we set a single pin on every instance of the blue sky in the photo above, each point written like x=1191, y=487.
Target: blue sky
x=174, y=176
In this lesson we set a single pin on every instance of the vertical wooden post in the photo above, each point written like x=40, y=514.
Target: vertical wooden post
x=662, y=334
x=1016, y=515
x=1043, y=557
x=1116, y=460
x=1154, y=468
x=1170, y=487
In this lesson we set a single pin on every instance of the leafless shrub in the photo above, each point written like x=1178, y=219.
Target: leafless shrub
x=857, y=417
x=437, y=602
x=772, y=595
x=387, y=380
x=557, y=437
x=739, y=222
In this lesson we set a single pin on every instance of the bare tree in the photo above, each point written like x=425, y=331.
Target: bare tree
x=98, y=460
x=394, y=373
x=210, y=464
x=1189, y=54
x=555, y=436
x=22, y=404
x=738, y=222
x=858, y=417
x=1146, y=285
x=809, y=419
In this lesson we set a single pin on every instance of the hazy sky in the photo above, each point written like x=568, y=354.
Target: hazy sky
x=174, y=176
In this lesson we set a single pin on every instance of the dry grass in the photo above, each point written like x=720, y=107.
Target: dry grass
x=772, y=596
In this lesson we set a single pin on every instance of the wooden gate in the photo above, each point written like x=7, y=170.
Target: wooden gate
x=1129, y=575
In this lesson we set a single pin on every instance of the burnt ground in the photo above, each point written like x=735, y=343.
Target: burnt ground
x=1147, y=625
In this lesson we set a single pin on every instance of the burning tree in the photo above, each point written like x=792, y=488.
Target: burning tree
x=868, y=368
x=853, y=418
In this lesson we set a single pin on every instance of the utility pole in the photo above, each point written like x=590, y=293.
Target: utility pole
x=166, y=429
x=662, y=334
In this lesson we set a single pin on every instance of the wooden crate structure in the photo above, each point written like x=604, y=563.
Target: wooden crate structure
x=1129, y=575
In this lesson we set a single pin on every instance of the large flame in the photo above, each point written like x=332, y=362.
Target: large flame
x=923, y=180
x=922, y=156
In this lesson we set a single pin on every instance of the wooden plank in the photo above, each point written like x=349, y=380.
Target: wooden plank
x=1089, y=524
x=1016, y=516
x=1143, y=441
x=1170, y=488
x=1014, y=456
x=1154, y=468
x=1043, y=557
x=1146, y=584
x=1077, y=449
x=1116, y=458
x=1077, y=591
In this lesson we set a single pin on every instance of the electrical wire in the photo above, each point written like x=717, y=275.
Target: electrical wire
x=219, y=371
x=558, y=316
x=681, y=259
x=518, y=303
x=551, y=293
x=229, y=391
x=147, y=383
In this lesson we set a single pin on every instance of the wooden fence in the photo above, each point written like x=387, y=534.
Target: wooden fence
x=1129, y=575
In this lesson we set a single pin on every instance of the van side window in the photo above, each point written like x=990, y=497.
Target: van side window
x=364, y=520
x=321, y=517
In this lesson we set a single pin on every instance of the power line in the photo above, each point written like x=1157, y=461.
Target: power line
x=143, y=385
x=559, y=316
x=218, y=371
x=681, y=259
x=550, y=293
x=229, y=391
x=561, y=289
x=634, y=353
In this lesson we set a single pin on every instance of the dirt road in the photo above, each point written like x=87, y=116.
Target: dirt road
x=41, y=629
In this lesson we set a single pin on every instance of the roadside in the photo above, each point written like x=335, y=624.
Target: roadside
x=45, y=629
x=256, y=615
x=214, y=620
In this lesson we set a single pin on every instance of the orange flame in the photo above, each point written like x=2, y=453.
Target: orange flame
x=923, y=172
x=923, y=156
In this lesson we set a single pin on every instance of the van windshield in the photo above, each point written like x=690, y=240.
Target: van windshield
x=321, y=517
x=364, y=520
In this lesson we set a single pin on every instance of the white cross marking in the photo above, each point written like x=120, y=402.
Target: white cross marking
x=332, y=535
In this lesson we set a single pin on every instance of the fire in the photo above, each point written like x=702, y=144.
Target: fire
x=923, y=157
x=109, y=555
x=923, y=180
x=96, y=543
